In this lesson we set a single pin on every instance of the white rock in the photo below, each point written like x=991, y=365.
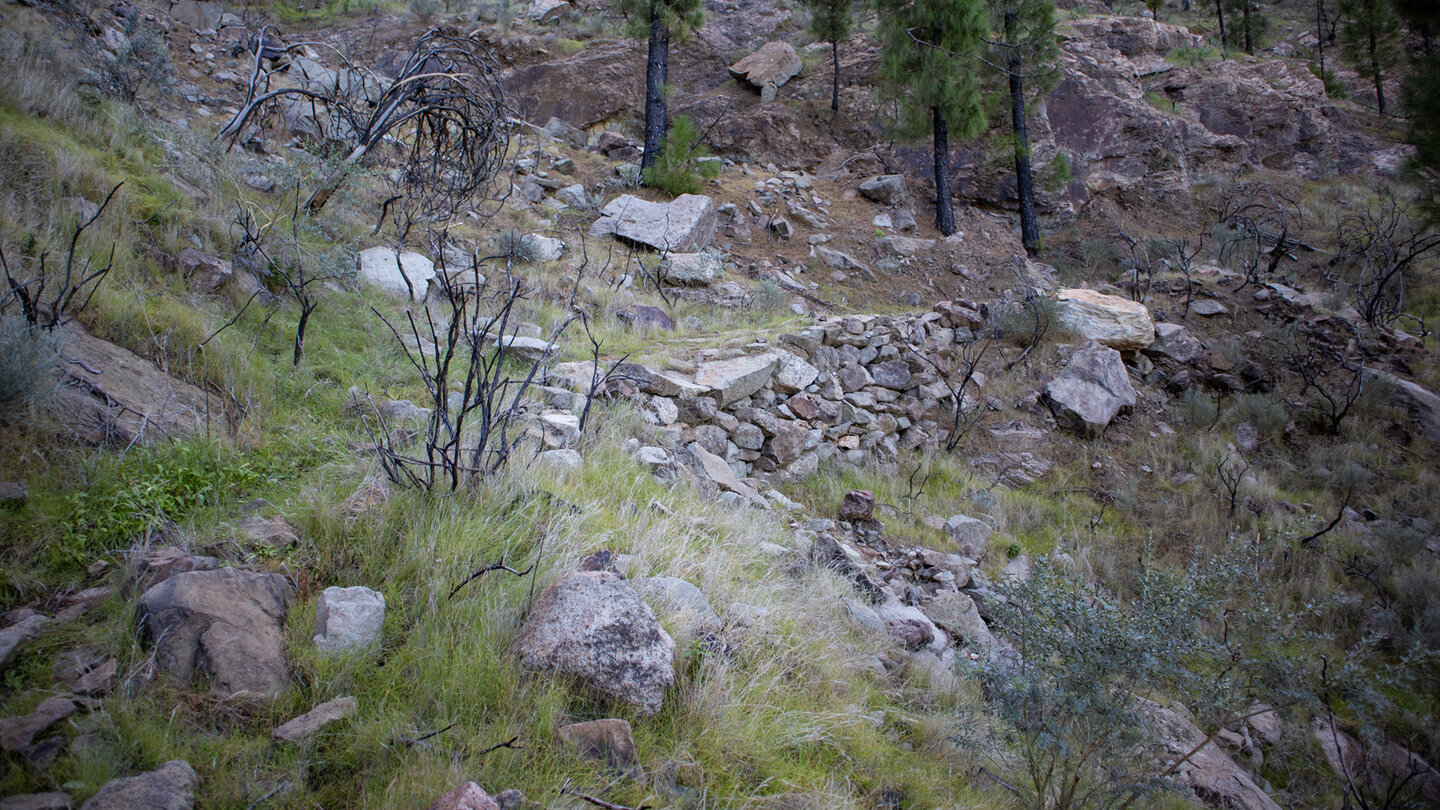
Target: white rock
x=348, y=618
x=378, y=266
x=1106, y=319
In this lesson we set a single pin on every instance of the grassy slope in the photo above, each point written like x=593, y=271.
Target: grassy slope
x=790, y=708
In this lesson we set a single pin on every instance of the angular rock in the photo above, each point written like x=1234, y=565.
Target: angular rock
x=593, y=627
x=17, y=733
x=710, y=467
x=788, y=442
x=843, y=261
x=225, y=625
x=1211, y=773
x=886, y=189
x=683, y=225
x=205, y=273
x=828, y=552
x=793, y=374
x=559, y=430
x=348, y=619
x=562, y=460
x=524, y=349
x=892, y=374
x=1208, y=307
x=271, y=533
x=692, y=269
x=310, y=723
x=167, y=561
x=200, y=15
x=1092, y=389
x=468, y=796
x=610, y=741
x=956, y=612
x=910, y=628
x=970, y=534
x=737, y=378
x=20, y=632
x=379, y=267
x=858, y=504
x=774, y=64
x=113, y=396
x=1175, y=342
x=169, y=787
x=1106, y=319
x=1423, y=405
x=546, y=10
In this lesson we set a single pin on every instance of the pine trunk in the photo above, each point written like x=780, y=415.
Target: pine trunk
x=657, y=68
x=944, y=206
x=1024, y=182
x=1245, y=19
x=835, y=88
x=1375, y=67
x=1220, y=15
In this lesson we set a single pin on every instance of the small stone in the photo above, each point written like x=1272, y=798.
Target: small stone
x=13, y=493
x=17, y=733
x=610, y=741
x=272, y=533
x=468, y=796
x=1208, y=307
x=858, y=504
x=97, y=680
x=348, y=618
x=562, y=460
x=309, y=724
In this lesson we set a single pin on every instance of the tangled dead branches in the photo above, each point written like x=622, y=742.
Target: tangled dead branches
x=446, y=107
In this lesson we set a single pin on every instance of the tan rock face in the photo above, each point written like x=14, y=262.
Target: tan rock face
x=1109, y=320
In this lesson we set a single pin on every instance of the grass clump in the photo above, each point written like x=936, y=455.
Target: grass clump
x=29, y=361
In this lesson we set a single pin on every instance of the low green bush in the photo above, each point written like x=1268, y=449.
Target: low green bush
x=680, y=168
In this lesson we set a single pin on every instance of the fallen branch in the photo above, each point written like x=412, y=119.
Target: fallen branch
x=496, y=566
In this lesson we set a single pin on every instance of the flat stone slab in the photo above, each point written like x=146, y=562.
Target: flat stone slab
x=378, y=266
x=738, y=377
x=683, y=225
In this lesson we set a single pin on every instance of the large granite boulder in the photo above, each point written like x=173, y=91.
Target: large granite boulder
x=224, y=625
x=1092, y=390
x=593, y=627
x=1106, y=319
x=683, y=225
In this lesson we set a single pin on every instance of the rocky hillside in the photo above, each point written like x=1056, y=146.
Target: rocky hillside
x=581, y=494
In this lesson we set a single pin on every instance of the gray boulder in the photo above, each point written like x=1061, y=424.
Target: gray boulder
x=692, y=269
x=379, y=267
x=593, y=627
x=225, y=625
x=348, y=618
x=169, y=787
x=1106, y=319
x=768, y=68
x=969, y=534
x=202, y=16
x=886, y=189
x=1175, y=342
x=688, y=609
x=1092, y=390
x=683, y=225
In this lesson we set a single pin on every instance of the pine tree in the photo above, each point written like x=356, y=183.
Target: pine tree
x=659, y=20
x=1026, y=42
x=1420, y=95
x=1252, y=22
x=830, y=22
x=1370, y=38
x=928, y=51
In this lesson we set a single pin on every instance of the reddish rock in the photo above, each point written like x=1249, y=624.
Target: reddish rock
x=859, y=504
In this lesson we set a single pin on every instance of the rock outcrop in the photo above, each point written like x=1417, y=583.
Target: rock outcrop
x=169, y=787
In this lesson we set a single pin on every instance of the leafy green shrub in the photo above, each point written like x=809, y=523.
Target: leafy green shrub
x=29, y=358
x=170, y=483
x=679, y=169
x=1059, y=174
